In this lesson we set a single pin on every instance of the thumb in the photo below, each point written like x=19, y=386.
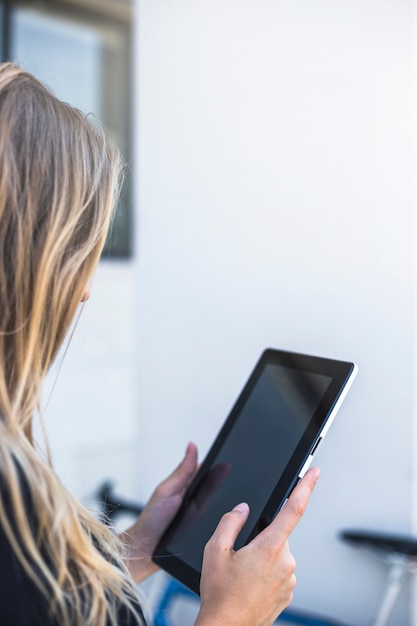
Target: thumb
x=181, y=477
x=230, y=525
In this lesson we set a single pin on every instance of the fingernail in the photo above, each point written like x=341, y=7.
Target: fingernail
x=242, y=507
x=315, y=471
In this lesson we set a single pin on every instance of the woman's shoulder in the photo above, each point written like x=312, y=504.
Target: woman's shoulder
x=21, y=600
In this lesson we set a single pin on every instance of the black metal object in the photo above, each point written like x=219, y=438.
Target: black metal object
x=113, y=505
x=399, y=552
x=390, y=544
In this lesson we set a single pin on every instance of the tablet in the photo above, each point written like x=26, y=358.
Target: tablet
x=264, y=447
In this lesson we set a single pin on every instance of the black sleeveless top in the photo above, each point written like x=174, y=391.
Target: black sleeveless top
x=21, y=601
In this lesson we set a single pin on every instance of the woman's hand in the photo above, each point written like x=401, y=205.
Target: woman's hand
x=142, y=538
x=253, y=585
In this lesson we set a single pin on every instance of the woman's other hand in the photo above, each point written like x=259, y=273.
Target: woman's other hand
x=142, y=538
x=253, y=585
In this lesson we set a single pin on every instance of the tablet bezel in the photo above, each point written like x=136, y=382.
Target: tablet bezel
x=342, y=374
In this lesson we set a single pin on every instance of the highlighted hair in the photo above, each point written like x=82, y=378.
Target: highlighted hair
x=59, y=179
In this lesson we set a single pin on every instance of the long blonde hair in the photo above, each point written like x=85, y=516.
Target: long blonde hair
x=59, y=179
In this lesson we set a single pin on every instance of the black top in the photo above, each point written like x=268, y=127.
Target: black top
x=21, y=601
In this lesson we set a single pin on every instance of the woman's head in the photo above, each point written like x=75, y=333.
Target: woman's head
x=59, y=179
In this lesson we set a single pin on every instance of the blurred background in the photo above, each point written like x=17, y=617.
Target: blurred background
x=270, y=201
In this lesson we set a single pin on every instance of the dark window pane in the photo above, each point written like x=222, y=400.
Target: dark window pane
x=84, y=57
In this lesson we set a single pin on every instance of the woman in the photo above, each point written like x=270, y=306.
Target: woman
x=59, y=565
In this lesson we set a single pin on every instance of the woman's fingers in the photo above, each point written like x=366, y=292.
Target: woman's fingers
x=230, y=525
x=295, y=507
x=253, y=585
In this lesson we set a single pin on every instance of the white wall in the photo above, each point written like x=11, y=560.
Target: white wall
x=276, y=201
x=91, y=413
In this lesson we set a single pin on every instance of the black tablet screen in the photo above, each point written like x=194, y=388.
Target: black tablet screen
x=272, y=419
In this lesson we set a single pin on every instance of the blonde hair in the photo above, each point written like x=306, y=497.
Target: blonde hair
x=59, y=179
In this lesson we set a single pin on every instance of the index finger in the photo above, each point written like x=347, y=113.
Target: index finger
x=295, y=507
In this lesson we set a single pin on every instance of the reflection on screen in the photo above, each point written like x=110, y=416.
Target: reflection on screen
x=248, y=465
